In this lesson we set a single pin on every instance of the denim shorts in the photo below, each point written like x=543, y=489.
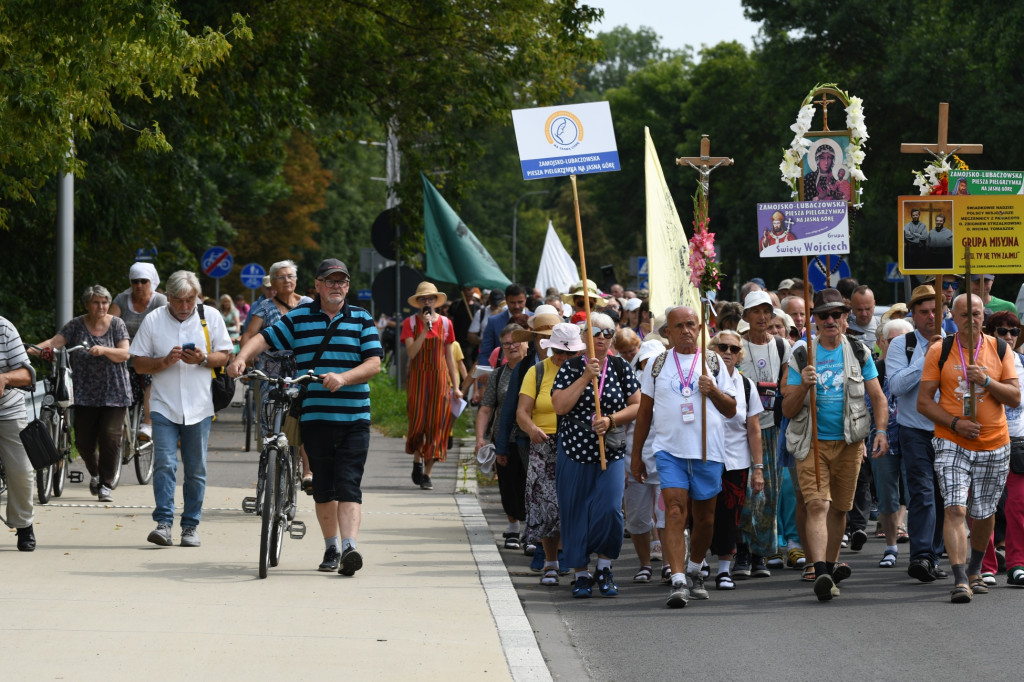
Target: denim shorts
x=702, y=479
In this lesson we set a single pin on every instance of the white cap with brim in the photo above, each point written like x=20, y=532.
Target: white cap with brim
x=756, y=298
x=648, y=350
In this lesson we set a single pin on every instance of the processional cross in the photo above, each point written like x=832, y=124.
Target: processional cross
x=705, y=163
x=823, y=103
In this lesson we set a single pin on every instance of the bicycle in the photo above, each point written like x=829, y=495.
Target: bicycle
x=278, y=481
x=249, y=417
x=56, y=414
x=135, y=448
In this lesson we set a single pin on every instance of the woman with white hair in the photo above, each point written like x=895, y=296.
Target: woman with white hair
x=132, y=305
x=102, y=388
x=589, y=497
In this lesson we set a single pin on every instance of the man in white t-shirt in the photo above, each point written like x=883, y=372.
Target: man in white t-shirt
x=673, y=398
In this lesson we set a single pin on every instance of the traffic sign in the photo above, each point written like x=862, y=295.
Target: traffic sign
x=641, y=267
x=252, y=276
x=892, y=272
x=366, y=294
x=837, y=269
x=217, y=262
x=145, y=254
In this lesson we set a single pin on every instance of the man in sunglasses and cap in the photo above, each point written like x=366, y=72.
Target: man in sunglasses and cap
x=842, y=373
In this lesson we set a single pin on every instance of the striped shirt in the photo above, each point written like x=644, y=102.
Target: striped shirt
x=354, y=341
x=12, y=357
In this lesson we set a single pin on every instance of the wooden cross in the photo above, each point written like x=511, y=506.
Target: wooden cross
x=705, y=163
x=943, y=149
x=824, y=102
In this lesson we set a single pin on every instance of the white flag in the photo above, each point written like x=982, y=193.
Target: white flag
x=557, y=268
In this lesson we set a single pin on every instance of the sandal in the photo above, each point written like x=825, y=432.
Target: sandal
x=666, y=574
x=795, y=558
x=644, y=575
x=888, y=559
x=1015, y=576
x=550, y=578
x=978, y=585
x=961, y=594
x=656, y=551
x=307, y=484
x=511, y=540
x=841, y=572
x=901, y=535
x=774, y=561
x=723, y=581
x=809, y=575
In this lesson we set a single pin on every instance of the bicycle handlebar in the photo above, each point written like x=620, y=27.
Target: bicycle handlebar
x=307, y=378
x=47, y=353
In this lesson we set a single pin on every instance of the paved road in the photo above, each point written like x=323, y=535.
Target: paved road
x=884, y=626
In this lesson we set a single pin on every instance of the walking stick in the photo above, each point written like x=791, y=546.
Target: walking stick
x=814, y=389
x=586, y=308
x=704, y=370
x=970, y=331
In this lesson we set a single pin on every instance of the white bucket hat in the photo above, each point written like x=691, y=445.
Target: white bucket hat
x=564, y=337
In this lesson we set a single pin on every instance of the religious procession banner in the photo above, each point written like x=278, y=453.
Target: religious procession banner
x=803, y=228
x=570, y=139
x=454, y=254
x=668, y=252
x=986, y=182
x=935, y=230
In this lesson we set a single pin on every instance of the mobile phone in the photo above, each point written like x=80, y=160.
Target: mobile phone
x=188, y=346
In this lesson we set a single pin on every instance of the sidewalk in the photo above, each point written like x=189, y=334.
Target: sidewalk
x=434, y=601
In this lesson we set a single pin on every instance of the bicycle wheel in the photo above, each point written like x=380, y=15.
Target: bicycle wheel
x=280, y=501
x=44, y=484
x=120, y=459
x=247, y=417
x=144, y=463
x=268, y=511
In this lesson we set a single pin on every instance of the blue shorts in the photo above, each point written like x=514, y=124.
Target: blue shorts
x=702, y=479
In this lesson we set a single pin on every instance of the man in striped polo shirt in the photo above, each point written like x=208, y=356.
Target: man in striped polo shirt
x=335, y=420
x=15, y=371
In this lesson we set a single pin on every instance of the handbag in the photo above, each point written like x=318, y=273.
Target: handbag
x=222, y=386
x=1017, y=454
x=38, y=443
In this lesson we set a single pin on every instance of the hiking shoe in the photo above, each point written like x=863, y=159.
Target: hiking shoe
x=426, y=483
x=26, y=539
x=94, y=485
x=606, y=583
x=351, y=561
x=857, y=540
x=189, y=537
x=583, y=588
x=161, y=535
x=332, y=559
x=104, y=494
x=697, y=589
x=759, y=569
x=417, y=473
x=823, y=587
x=679, y=597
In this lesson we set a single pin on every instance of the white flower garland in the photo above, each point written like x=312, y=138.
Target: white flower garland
x=792, y=158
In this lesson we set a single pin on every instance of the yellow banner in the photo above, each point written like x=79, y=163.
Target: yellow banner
x=936, y=230
x=668, y=252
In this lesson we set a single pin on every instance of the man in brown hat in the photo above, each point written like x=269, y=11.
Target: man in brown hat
x=842, y=373
x=904, y=363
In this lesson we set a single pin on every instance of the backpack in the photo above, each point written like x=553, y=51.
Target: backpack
x=947, y=346
x=659, y=363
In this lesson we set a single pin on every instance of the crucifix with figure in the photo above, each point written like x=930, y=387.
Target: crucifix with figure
x=823, y=103
x=941, y=150
x=705, y=163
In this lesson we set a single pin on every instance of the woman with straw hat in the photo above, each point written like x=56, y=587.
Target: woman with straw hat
x=433, y=382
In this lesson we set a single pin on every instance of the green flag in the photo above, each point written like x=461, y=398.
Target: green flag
x=454, y=254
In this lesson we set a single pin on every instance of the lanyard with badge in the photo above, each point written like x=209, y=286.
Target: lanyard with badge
x=686, y=408
x=963, y=368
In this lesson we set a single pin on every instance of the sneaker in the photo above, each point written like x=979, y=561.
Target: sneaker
x=563, y=568
x=656, y=551
x=94, y=485
x=759, y=569
x=697, y=589
x=921, y=569
x=189, y=537
x=1015, y=576
x=679, y=597
x=583, y=588
x=104, y=494
x=426, y=483
x=529, y=549
x=538, y=560
x=823, y=586
x=417, y=473
x=332, y=559
x=989, y=579
x=145, y=431
x=857, y=540
x=846, y=541
x=161, y=535
x=351, y=561
x=606, y=583
x=741, y=569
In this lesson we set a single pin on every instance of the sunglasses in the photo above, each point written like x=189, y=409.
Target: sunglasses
x=722, y=347
x=606, y=333
x=955, y=286
x=140, y=281
x=833, y=315
x=1012, y=331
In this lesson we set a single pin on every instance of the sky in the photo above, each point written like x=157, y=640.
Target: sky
x=680, y=22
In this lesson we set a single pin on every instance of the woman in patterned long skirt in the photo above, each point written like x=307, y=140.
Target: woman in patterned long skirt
x=433, y=382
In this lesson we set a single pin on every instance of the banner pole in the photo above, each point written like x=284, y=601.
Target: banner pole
x=939, y=301
x=704, y=370
x=970, y=331
x=814, y=389
x=586, y=307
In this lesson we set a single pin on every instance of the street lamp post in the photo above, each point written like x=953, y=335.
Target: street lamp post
x=515, y=217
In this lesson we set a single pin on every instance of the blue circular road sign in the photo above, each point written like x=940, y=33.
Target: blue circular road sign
x=837, y=269
x=252, y=276
x=216, y=262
